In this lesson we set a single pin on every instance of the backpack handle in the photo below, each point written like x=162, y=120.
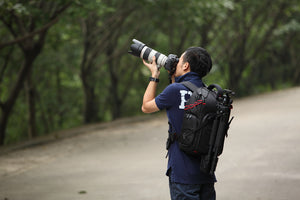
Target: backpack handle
x=220, y=91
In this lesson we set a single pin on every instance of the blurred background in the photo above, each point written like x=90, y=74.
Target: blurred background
x=64, y=63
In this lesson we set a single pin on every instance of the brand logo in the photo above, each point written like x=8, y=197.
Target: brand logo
x=185, y=95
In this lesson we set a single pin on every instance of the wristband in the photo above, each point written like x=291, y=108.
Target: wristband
x=154, y=79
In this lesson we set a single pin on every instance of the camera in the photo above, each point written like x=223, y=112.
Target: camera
x=139, y=49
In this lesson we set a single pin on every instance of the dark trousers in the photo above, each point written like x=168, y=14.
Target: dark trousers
x=192, y=192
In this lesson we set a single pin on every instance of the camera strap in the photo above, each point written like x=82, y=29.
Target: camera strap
x=170, y=78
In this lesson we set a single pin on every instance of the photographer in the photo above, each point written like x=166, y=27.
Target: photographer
x=186, y=181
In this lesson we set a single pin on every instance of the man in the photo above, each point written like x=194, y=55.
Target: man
x=186, y=181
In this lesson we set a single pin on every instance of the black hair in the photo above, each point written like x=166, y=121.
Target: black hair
x=199, y=60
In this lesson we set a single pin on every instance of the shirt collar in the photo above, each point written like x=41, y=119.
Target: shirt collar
x=186, y=77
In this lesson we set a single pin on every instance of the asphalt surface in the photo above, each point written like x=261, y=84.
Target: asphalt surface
x=126, y=159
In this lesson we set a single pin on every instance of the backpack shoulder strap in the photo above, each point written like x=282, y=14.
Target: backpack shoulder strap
x=190, y=85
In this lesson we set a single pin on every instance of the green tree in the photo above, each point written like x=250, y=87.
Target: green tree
x=244, y=37
x=79, y=71
x=28, y=25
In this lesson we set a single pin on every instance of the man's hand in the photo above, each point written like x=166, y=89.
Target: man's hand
x=152, y=67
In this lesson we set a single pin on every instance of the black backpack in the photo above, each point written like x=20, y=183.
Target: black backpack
x=205, y=124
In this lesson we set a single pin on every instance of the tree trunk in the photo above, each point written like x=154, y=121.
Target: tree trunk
x=8, y=105
x=90, y=104
x=90, y=113
x=3, y=123
x=30, y=91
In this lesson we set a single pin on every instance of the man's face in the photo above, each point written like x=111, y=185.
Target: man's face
x=179, y=68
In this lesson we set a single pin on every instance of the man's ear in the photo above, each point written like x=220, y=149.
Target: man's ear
x=186, y=67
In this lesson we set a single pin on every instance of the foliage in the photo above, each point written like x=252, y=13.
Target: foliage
x=79, y=70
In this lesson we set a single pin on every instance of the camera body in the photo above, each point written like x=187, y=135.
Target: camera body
x=139, y=49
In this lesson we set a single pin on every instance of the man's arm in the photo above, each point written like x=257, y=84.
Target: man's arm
x=149, y=105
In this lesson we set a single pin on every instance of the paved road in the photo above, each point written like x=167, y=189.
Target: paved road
x=126, y=160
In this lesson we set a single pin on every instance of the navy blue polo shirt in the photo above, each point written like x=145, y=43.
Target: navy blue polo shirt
x=181, y=167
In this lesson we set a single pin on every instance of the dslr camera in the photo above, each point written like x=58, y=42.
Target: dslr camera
x=169, y=62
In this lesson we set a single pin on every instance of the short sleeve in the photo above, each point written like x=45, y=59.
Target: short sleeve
x=167, y=98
